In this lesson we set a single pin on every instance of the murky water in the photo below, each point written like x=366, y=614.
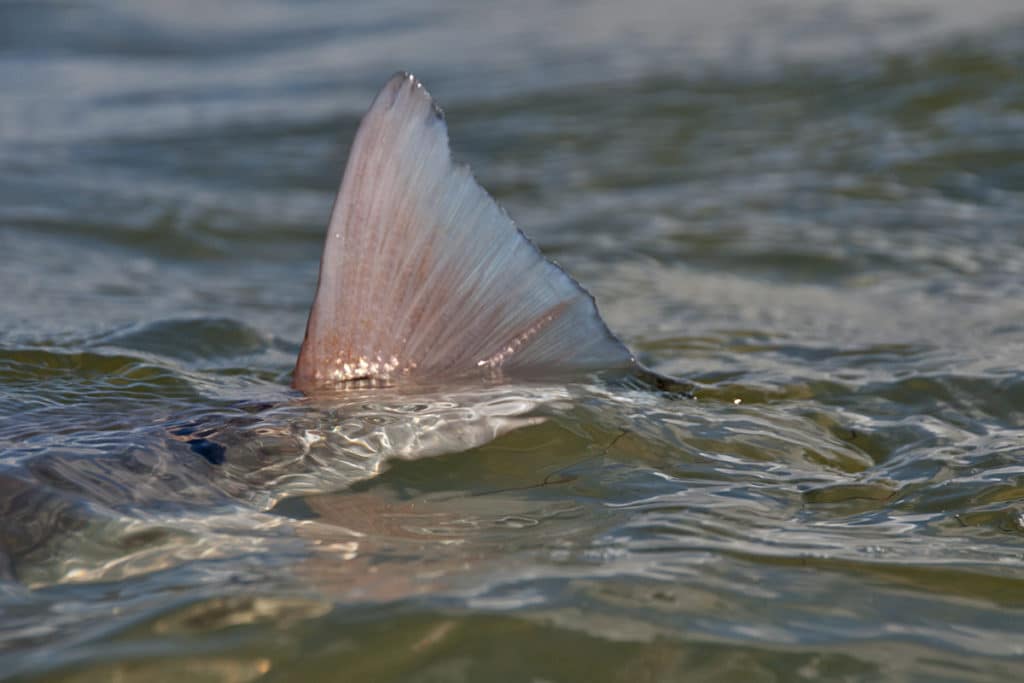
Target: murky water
x=811, y=210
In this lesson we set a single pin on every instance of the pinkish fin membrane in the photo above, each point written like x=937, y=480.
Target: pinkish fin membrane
x=424, y=277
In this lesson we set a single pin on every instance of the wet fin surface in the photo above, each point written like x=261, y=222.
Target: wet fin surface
x=424, y=277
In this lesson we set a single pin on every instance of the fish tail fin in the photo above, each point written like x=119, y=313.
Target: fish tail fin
x=424, y=277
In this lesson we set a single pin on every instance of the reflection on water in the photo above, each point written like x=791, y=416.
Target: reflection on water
x=810, y=210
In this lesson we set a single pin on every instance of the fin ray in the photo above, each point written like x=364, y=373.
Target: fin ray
x=424, y=276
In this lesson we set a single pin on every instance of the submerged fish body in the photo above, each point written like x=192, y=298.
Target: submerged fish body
x=424, y=278
x=331, y=442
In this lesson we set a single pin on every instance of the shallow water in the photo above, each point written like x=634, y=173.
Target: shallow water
x=812, y=211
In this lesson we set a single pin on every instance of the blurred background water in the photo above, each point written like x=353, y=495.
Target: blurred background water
x=810, y=209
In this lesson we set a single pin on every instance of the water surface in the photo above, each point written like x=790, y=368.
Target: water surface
x=811, y=210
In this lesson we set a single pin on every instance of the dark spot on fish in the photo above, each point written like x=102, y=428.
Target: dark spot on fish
x=211, y=450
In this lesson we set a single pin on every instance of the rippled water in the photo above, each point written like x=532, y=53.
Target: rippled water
x=810, y=210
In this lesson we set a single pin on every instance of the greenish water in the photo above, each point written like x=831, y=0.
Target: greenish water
x=812, y=211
